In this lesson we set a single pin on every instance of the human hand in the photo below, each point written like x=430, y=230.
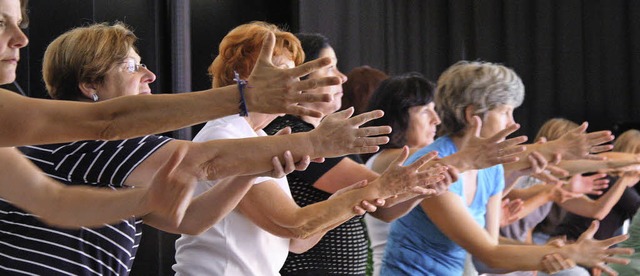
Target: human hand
x=338, y=134
x=171, y=189
x=578, y=144
x=275, y=90
x=486, y=152
x=593, y=184
x=510, y=210
x=594, y=253
x=398, y=179
x=365, y=206
x=554, y=263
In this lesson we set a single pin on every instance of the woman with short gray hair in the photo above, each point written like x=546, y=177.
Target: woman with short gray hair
x=434, y=237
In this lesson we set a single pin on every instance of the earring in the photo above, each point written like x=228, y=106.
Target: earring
x=95, y=97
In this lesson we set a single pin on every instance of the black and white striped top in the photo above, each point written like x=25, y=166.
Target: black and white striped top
x=29, y=247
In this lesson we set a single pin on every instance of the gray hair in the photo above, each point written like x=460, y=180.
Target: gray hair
x=483, y=85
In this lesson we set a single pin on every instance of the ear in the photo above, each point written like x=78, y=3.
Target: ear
x=88, y=89
x=469, y=111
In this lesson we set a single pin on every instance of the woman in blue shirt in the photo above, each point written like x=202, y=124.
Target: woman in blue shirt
x=435, y=236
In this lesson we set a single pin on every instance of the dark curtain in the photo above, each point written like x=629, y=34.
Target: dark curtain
x=577, y=59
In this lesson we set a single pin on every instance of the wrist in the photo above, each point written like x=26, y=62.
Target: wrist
x=313, y=142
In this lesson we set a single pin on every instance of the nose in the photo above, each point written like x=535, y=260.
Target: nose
x=342, y=76
x=18, y=39
x=435, y=119
x=148, y=76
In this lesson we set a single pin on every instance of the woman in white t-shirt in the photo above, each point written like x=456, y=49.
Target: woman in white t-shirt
x=239, y=243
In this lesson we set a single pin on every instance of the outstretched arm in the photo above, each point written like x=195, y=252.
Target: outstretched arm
x=337, y=135
x=270, y=208
x=467, y=233
x=22, y=184
x=271, y=90
x=575, y=144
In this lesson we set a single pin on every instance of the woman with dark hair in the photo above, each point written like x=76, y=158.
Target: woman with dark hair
x=407, y=102
x=361, y=82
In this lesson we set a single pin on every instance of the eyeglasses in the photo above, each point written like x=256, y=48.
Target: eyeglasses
x=131, y=66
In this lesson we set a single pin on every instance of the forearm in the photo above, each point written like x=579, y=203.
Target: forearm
x=547, y=150
x=208, y=208
x=326, y=215
x=300, y=246
x=75, y=206
x=47, y=121
x=599, y=208
x=405, y=205
x=517, y=257
x=25, y=186
x=533, y=203
x=228, y=157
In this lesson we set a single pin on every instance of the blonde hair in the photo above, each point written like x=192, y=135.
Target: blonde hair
x=554, y=128
x=628, y=141
x=84, y=55
x=483, y=85
x=240, y=48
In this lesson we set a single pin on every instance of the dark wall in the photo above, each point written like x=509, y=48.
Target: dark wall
x=578, y=59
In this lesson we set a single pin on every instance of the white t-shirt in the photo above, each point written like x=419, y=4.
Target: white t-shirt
x=378, y=230
x=235, y=245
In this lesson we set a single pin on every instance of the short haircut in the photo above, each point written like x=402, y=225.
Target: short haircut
x=84, y=55
x=395, y=96
x=483, y=85
x=240, y=48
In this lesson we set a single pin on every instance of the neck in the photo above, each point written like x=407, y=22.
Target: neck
x=258, y=121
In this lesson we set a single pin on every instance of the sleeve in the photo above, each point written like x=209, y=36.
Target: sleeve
x=498, y=178
x=103, y=163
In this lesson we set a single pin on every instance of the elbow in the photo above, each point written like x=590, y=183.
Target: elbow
x=193, y=231
x=299, y=233
x=108, y=130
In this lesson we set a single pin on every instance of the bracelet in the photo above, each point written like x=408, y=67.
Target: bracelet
x=244, y=112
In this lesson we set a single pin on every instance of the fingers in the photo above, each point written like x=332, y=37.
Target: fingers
x=373, y=131
x=303, y=163
x=423, y=191
x=606, y=269
x=401, y=158
x=557, y=171
x=588, y=234
x=617, y=260
x=615, y=240
x=303, y=111
x=365, y=117
x=341, y=115
x=278, y=170
x=603, y=148
x=266, y=51
x=310, y=84
x=504, y=133
x=284, y=131
x=423, y=160
x=308, y=67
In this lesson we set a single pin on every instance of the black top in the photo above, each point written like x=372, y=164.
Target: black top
x=573, y=225
x=342, y=250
